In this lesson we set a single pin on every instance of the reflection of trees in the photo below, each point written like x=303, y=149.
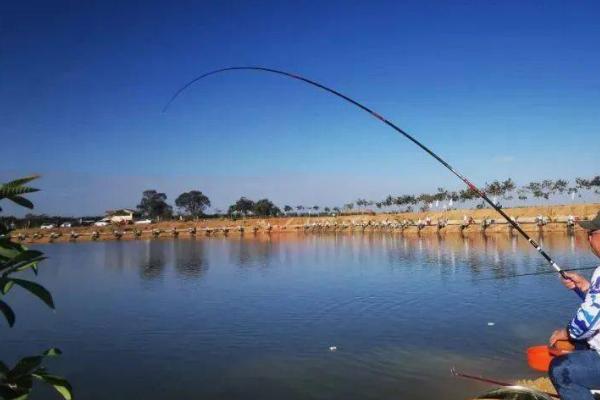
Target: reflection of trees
x=152, y=263
x=248, y=252
x=484, y=255
x=190, y=261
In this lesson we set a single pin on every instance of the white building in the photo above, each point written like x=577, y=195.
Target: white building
x=120, y=216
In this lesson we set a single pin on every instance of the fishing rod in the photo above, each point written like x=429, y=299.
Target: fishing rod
x=534, y=274
x=454, y=372
x=470, y=185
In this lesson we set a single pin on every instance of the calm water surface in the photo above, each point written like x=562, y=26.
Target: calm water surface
x=254, y=318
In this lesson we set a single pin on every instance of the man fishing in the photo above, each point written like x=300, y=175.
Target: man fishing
x=576, y=373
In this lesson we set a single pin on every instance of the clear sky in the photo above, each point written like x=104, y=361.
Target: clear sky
x=498, y=88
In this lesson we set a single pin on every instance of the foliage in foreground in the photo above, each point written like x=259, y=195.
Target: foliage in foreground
x=17, y=382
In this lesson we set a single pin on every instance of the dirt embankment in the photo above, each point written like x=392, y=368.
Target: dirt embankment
x=466, y=221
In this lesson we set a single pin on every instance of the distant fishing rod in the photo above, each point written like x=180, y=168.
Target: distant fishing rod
x=454, y=372
x=471, y=186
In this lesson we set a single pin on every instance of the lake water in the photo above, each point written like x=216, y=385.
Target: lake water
x=254, y=318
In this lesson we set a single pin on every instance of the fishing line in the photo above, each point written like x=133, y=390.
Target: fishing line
x=470, y=185
x=533, y=274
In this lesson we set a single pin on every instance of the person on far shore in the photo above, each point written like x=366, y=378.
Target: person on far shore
x=575, y=374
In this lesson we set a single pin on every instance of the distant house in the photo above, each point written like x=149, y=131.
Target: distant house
x=123, y=215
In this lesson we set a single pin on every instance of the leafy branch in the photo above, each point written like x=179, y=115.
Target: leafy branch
x=16, y=383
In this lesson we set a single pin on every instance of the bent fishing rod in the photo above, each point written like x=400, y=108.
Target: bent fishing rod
x=456, y=373
x=470, y=185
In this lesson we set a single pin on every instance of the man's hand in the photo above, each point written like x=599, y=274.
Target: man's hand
x=559, y=334
x=576, y=280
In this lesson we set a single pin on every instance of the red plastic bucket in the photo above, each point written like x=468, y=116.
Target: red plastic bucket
x=539, y=357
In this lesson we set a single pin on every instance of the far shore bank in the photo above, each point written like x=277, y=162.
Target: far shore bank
x=556, y=218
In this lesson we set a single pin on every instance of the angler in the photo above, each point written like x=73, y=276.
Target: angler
x=578, y=372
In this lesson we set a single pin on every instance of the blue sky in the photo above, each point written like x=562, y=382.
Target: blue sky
x=499, y=89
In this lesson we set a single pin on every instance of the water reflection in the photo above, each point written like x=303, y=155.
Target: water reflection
x=252, y=252
x=254, y=317
x=190, y=258
x=152, y=262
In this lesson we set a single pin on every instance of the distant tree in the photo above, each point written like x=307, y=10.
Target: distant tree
x=405, y=200
x=337, y=210
x=265, y=208
x=560, y=186
x=425, y=200
x=349, y=206
x=468, y=194
x=522, y=193
x=316, y=208
x=588, y=184
x=327, y=210
x=287, y=209
x=441, y=195
x=242, y=206
x=193, y=202
x=500, y=189
x=299, y=208
x=539, y=189
x=389, y=201
x=508, y=186
x=154, y=205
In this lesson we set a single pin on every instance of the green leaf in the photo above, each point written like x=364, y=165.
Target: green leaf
x=10, y=191
x=61, y=385
x=36, y=289
x=52, y=352
x=24, y=260
x=22, y=181
x=22, y=201
x=8, y=313
x=9, y=249
x=25, y=256
x=5, y=285
x=24, y=368
x=32, y=265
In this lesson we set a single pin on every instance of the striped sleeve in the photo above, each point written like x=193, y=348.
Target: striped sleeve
x=586, y=322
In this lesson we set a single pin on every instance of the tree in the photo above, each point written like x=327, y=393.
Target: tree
x=560, y=186
x=589, y=184
x=193, y=202
x=327, y=210
x=242, y=206
x=265, y=208
x=522, y=193
x=154, y=205
x=468, y=194
x=17, y=382
x=316, y=208
x=540, y=189
x=287, y=209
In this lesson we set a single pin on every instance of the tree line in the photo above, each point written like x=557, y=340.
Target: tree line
x=194, y=203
